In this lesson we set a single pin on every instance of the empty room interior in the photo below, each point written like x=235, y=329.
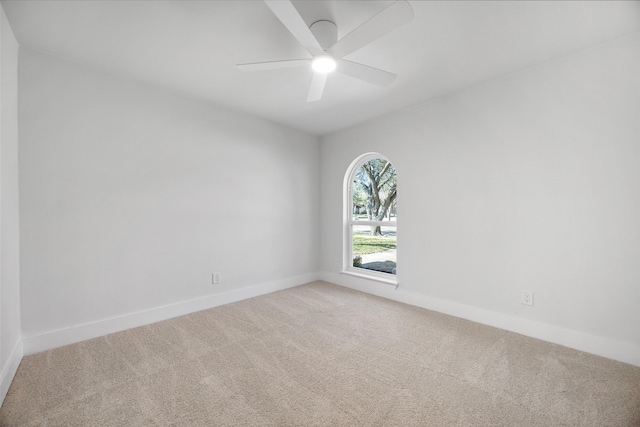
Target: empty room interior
x=358, y=213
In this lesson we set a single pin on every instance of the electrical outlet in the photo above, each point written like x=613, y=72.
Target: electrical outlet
x=215, y=278
x=527, y=297
x=338, y=262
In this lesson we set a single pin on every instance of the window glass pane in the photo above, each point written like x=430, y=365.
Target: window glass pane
x=374, y=192
x=374, y=248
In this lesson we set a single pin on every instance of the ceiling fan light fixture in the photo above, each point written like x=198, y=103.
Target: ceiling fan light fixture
x=323, y=64
x=320, y=40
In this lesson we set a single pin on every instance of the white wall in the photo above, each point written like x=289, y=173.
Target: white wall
x=131, y=197
x=10, y=341
x=528, y=182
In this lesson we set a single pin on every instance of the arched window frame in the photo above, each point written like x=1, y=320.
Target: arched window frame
x=348, y=222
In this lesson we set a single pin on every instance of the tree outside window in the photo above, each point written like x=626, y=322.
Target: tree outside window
x=373, y=224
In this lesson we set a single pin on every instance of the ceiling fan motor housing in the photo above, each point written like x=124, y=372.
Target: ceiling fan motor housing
x=326, y=32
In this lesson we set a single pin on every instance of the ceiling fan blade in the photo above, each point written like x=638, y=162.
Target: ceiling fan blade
x=366, y=73
x=317, y=87
x=290, y=18
x=273, y=65
x=387, y=20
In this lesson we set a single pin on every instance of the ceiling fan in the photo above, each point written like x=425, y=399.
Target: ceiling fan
x=321, y=41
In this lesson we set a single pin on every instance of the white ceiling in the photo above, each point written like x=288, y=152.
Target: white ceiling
x=191, y=47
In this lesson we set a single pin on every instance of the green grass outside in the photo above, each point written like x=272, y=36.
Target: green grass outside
x=363, y=244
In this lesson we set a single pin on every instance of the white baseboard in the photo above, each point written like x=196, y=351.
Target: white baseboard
x=9, y=369
x=605, y=347
x=77, y=333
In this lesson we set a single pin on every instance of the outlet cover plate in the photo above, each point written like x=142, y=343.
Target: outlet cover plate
x=527, y=298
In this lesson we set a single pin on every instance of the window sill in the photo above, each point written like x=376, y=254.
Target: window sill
x=378, y=277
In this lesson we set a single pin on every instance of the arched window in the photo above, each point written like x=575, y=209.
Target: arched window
x=370, y=218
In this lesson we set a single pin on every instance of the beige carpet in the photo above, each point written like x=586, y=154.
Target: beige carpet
x=320, y=355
